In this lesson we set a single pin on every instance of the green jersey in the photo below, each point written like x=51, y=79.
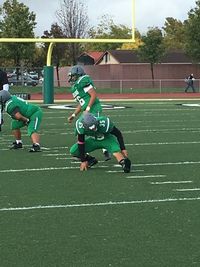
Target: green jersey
x=23, y=106
x=104, y=128
x=80, y=93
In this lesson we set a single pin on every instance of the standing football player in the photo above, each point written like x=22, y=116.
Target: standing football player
x=3, y=86
x=100, y=133
x=84, y=92
x=22, y=114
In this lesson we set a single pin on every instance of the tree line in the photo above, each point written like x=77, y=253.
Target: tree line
x=16, y=20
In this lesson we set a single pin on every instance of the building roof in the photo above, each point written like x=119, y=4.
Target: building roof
x=93, y=54
x=131, y=56
x=176, y=57
x=125, y=56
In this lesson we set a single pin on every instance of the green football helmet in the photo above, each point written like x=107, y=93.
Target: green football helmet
x=74, y=73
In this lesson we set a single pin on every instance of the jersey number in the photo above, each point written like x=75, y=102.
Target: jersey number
x=80, y=100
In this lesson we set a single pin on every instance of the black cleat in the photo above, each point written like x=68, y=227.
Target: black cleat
x=91, y=161
x=35, y=148
x=107, y=155
x=16, y=146
x=126, y=165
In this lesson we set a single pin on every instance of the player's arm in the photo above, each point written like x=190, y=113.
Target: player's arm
x=73, y=115
x=116, y=132
x=81, y=147
x=15, y=114
x=93, y=96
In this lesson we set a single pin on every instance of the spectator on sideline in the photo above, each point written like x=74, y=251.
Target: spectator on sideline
x=190, y=83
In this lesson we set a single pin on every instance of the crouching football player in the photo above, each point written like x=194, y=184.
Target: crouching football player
x=22, y=114
x=97, y=133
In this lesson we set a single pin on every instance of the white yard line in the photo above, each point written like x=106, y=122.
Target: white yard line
x=145, y=176
x=164, y=143
x=44, y=169
x=187, y=189
x=110, y=203
x=68, y=168
x=171, y=182
x=167, y=163
x=122, y=171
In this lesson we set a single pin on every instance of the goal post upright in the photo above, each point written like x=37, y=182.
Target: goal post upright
x=48, y=90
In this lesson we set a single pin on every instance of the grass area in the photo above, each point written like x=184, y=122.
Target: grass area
x=51, y=214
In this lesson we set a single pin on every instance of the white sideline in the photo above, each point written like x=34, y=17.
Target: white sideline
x=110, y=203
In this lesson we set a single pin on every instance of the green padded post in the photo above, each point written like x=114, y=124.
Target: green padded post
x=48, y=86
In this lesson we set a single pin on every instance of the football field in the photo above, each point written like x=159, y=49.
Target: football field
x=53, y=215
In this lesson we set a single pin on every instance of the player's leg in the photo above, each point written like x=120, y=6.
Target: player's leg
x=90, y=145
x=111, y=144
x=16, y=126
x=33, y=128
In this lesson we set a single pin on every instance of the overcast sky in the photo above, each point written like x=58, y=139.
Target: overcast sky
x=149, y=13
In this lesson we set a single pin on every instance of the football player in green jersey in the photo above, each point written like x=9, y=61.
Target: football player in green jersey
x=97, y=133
x=22, y=114
x=84, y=92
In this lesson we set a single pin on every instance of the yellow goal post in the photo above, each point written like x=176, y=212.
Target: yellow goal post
x=48, y=92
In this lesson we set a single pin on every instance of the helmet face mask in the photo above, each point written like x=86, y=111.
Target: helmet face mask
x=75, y=72
x=72, y=78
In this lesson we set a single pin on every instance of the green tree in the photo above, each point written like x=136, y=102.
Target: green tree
x=152, y=49
x=133, y=45
x=192, y=33
x=17, y=21
x=174, y=37
x=107, y=29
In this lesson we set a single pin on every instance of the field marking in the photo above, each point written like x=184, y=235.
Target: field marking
x=110, y=203
x=46, y=149
x=145, y=176
x=171, y=182
x=122, y=171
x=164, y=143
x=55, y=154
x=187, y=189
x=161, y=130
x=167, y=163
x=44, y=169
x=71, y=168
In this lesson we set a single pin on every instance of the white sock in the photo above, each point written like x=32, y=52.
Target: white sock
x=19, y=141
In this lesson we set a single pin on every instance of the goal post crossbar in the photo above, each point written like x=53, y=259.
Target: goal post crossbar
x=64, y=40
x=76, y=40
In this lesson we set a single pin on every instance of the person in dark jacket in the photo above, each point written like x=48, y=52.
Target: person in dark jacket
x=190, y=83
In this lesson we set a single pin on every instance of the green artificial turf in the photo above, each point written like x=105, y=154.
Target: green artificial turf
x=53, y=215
